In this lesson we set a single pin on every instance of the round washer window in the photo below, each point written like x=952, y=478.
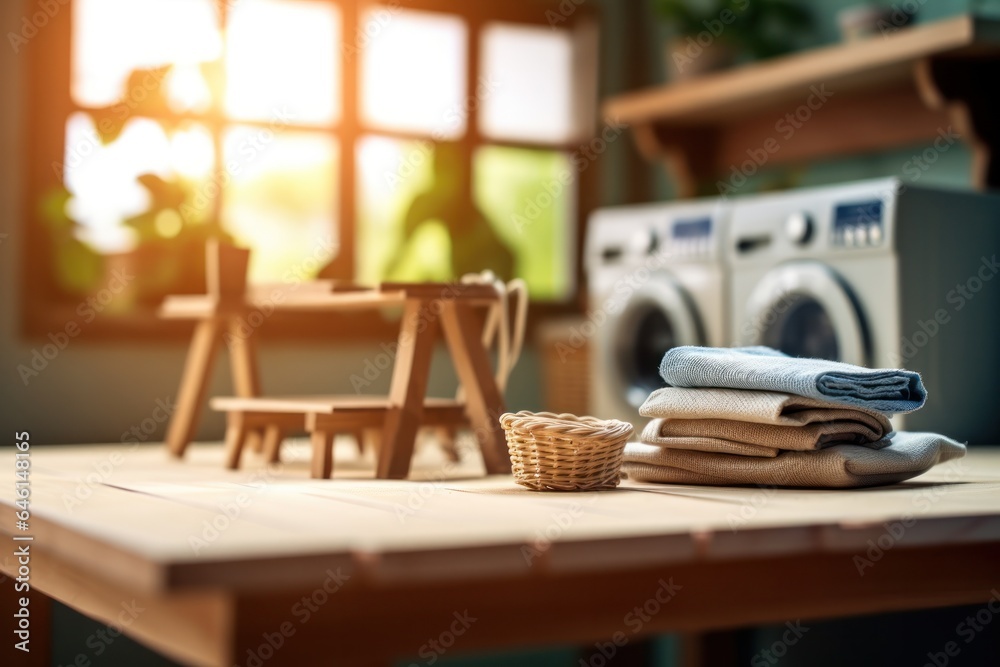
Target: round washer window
x=642, y=351
x=801, y=327
x=805, y=309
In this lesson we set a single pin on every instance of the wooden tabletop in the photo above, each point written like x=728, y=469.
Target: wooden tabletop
x=151, y=509
x=322, y=296
x=143, y=523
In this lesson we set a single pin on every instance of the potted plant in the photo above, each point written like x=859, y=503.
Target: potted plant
x=170, y=235
x=78, y=268
x=170, y=251
x=168, y=257
x=714, y=34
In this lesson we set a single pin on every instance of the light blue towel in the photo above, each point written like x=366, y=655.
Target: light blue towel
x=761, y=368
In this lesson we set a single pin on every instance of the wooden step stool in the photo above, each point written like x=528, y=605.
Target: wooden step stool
x=322, y=417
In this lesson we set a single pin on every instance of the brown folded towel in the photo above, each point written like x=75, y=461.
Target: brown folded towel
x=659, y=432
x=755, y=423
x=755, y=439
x=900, y=457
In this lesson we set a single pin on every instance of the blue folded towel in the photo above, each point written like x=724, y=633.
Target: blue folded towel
x=761, y=368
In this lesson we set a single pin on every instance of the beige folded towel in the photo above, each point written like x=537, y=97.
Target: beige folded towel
x=903, y=456
x=759, y=407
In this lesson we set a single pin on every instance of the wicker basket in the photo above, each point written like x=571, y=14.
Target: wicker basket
x=563, y=452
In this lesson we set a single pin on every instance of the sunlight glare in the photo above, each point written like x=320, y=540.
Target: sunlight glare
x=532, y=70
x=102, y=179
x=111, y=38
x=187, y=90
x=283, y=57
x=413, y=74
x=390, y=174
x=282, y=198
x=192, y=151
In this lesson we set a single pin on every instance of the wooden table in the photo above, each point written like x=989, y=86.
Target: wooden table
x=428, y=308
x=220, y=561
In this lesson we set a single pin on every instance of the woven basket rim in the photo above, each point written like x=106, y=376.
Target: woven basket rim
x=566, y=424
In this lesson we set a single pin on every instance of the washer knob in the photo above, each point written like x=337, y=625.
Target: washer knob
x=644, y=242
x=799, y=227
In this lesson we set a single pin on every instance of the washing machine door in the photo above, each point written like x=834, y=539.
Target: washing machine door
x=657, y=316
x=805, y=309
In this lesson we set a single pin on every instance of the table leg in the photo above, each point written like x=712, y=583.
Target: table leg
x=236, y=434
x=271, y=445
x=194, y=382
x=409, y=387
x=321, y=466
x=246, y=377
x=483, y=399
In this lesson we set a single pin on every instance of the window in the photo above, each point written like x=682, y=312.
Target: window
x=384, y=140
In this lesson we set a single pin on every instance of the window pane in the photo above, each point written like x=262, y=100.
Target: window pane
x=391, y=174
x=283, y=55
x=530, y=71
x=524, y=194
x=413, y=72
x=103, y=179
x=113, y=38
x=281, y=201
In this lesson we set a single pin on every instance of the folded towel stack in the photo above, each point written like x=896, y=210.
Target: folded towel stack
x=757, y=416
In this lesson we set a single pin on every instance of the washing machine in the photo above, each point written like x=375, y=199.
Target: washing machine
x=882, y=274
x=655, y=281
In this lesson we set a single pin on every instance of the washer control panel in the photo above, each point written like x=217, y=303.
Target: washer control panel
x=691, y=237
x=858, y=224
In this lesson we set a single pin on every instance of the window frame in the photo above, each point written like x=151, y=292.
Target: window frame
x=45, y=308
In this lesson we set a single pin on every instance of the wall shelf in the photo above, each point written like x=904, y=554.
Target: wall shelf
x=902, y=89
